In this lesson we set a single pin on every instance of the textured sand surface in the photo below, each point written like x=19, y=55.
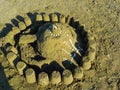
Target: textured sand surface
x=100, y=16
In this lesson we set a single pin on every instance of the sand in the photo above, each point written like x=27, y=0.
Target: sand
x=100, y=17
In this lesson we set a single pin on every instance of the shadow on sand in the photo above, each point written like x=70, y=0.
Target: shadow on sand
x=4, y=85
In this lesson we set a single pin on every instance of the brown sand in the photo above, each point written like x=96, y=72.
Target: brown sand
x=101, y=17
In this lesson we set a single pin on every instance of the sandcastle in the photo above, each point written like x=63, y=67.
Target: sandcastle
x=55, y=38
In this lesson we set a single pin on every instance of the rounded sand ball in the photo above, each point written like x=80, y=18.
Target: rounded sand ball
x=43, y=79
x=30, y=75
x=78, y=73
x=21, y=66
x=55, y=77
x=67, y=77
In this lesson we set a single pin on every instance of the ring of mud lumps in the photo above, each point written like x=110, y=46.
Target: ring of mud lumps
x=21, y=40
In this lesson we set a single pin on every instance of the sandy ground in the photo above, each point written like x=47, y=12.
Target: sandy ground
x=100, y=16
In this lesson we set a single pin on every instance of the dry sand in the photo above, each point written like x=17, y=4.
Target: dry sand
x=100, y=16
